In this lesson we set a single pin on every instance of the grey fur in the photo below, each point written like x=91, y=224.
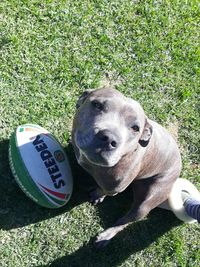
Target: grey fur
x=118, y=145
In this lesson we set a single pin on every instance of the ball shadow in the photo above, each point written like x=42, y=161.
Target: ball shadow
x=17, y=210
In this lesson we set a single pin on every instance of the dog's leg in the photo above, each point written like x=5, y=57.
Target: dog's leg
x=134, y=214
x=96, y=196
x=148, y=194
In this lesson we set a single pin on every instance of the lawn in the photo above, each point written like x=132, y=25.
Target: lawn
x=51, y=51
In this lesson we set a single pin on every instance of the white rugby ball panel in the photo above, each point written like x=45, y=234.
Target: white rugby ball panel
x=43, y=160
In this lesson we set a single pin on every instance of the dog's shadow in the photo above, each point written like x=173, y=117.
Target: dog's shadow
x=17, y=210
x=137, y=237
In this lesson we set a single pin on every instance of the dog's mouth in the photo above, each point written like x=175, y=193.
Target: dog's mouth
x=101, y=159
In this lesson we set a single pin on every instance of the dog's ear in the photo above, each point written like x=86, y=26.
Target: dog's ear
x=83, y=97
x=146, y=134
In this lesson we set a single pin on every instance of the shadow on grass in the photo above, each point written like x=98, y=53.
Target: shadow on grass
x=135, y=238
x=17, y=210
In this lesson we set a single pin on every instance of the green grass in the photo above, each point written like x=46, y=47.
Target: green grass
x=51, y=51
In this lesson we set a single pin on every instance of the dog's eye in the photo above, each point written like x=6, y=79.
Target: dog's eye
x=135, y=128
x=96, y=104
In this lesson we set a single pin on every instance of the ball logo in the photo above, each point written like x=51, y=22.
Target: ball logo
x=59, y=156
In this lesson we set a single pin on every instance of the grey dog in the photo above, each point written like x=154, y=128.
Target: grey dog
x=119, y=145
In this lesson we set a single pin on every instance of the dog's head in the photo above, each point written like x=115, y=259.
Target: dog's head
x=107, y=126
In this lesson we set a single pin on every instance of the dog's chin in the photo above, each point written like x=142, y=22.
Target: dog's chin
x=102, y=160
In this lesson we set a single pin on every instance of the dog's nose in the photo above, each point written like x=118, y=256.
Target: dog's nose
x=108, y=139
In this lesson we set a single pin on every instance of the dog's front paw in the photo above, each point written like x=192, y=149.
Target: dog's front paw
x=96, y=196
x=104, y=238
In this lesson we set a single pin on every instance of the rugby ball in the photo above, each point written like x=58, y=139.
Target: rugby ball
x=40, y=166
